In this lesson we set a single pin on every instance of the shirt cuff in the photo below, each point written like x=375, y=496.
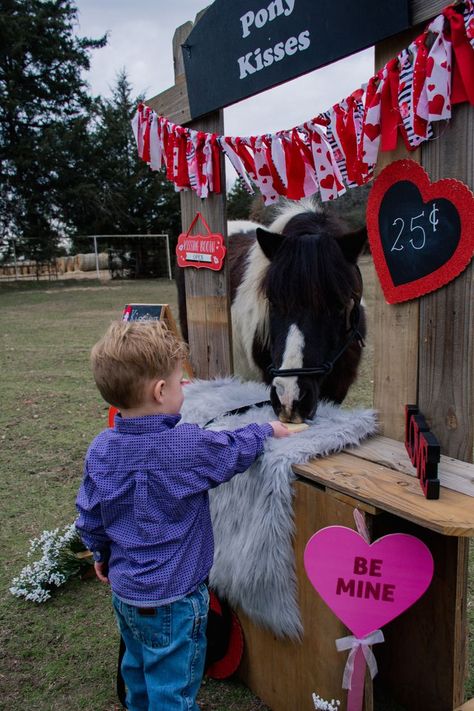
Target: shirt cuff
x=267, y=429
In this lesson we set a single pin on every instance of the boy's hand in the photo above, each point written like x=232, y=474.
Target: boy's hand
x=279, y=429
x=101, y=570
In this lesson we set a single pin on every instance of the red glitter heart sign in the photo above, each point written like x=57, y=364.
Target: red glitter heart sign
x=421, y=234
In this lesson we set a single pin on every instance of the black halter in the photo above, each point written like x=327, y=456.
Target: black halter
x=353, y=334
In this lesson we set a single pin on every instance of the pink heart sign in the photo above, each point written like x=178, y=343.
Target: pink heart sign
x=367, y=585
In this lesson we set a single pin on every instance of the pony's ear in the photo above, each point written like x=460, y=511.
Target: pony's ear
x=269, y=242
x=352, y=244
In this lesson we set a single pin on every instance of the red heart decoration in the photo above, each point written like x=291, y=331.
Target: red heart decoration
x=429, y=66
x=436, y=104
x=327, y=182
x=372, y=130
x=264, y=170
x=421, y=234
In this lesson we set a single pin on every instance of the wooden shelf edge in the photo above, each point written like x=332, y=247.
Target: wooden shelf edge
x=391, y=491
x=453, y=473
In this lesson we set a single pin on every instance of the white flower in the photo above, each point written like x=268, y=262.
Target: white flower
x=322, y=705
x=52, y=570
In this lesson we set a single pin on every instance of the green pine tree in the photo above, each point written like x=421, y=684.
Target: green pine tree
x=45, y=110
x=120, y=195
x=239, y=201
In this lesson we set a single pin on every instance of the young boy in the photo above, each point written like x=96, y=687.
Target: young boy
x=144, y=511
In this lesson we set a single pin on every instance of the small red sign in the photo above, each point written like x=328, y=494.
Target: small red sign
x=200, y=251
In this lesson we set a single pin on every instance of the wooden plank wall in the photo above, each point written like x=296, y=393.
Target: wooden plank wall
x=445, y=387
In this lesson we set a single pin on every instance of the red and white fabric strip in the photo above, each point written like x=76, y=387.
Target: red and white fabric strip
x=278, y=158
x=139, y=127
x=390, y=119
x=349, y=120
x=438, y=73
x=228, y=148
x=276, y=179
x=463, y=75
x=156, y=149
x=419, y=97
x=181, y=174
x=216, y=164
x=326, y=168
x=242, y=145
x=406, y=59
x=263, y=171
x=368, y=147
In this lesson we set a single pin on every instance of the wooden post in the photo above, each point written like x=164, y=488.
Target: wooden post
x=207, y=301
x=395, y=327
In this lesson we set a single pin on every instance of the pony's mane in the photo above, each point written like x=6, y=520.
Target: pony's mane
x=309, y=270
x=287, y=209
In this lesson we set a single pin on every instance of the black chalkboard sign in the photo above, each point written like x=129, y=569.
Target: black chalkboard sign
x=238, y=49
x=143, y=312
x=421, y=233
x=417, y=237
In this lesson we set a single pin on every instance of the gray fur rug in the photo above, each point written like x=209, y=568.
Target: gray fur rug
x=252, y=514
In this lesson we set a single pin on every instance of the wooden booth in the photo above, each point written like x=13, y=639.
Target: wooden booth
x=423, y=354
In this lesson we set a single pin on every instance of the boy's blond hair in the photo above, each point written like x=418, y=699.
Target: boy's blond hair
x=129, y=355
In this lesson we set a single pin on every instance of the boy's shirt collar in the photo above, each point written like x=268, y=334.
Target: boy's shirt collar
x=145, y=423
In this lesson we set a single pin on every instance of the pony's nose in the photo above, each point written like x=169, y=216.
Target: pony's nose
x=286, y=389
x=291, y=416
x=290, y=399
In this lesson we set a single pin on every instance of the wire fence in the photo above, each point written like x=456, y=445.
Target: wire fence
x=118, y=256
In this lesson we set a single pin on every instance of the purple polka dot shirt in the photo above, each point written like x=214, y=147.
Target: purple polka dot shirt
x=143, y=503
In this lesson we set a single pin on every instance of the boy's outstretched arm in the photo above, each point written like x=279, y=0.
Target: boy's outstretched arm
x=215, y=457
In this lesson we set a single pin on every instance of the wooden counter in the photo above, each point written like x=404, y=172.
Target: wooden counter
x=419, y=669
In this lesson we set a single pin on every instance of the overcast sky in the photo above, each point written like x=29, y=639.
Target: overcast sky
x=140, y=38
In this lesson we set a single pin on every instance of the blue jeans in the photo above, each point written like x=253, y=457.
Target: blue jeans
x=165, y=652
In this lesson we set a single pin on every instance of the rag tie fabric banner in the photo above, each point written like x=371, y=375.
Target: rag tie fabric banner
x=337, y=149
x=252, y=514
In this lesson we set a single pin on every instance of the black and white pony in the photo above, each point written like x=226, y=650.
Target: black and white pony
x=297, y=320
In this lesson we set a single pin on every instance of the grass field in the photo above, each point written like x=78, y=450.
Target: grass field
x=61, y=655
